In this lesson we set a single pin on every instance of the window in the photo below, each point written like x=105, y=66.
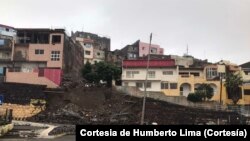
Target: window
x=55, y=55
x=195, y=74
x=1, y=42
x=167, y=72
x=143, y=48
x=39, y=51
x=164, y=85
x=87, y=52
x=151, y=74
x=139, y=85
x=87, y=45
x=7, y=29
x=131, y=55
x=153, y=50
x=173, y=85
x=247, y=92
x=56, y=39
x=148, y=84
x=184, y=74
x=98, y=53
x=211, y=72
x=130, y=74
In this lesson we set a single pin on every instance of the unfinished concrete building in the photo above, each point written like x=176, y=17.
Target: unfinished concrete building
x=7, y=40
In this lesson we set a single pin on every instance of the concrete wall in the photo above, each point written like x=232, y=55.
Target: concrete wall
x=29, y=78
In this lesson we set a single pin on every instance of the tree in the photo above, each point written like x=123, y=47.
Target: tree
x=203, y=92
x=206, y=91
x=87, y=68
x=89, y=74
x=101, y=71
x=232, y=84
x=107, y=72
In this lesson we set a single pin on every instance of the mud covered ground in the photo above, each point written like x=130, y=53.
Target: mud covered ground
x=106, y=106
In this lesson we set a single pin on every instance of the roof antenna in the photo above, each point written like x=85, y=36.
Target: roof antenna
x=187, y=49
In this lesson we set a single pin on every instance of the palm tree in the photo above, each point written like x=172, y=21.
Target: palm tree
x=232, y=84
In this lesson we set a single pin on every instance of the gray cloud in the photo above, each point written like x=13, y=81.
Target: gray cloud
x=213, y=29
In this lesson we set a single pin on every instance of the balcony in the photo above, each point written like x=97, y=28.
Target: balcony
x=191, y=78
x=5, y=48
x=6, y=60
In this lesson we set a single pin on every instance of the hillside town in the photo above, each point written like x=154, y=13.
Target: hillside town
x=48, y=76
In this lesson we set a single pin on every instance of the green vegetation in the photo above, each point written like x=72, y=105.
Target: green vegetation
x=232, y=84
x=101, y=71
x=203, y=93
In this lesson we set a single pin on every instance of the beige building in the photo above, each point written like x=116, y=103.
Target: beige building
x=95, y=47
x=180, y=81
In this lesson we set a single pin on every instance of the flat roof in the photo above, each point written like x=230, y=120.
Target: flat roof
x=152, y=63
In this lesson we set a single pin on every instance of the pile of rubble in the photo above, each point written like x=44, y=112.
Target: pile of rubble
x=104, y=106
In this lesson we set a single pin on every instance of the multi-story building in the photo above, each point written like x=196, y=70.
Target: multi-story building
x=42, y=56
x=95, y=47
x=173, y=80
x=7, y=41
x=246, y=72
x=134, y=74
x=140, y=49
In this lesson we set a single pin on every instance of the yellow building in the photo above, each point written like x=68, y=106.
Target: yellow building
x=172, y=80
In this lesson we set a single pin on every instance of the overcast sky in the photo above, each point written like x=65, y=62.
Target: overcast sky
x=213, y=29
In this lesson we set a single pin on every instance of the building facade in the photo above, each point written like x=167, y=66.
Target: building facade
x=134, y=73
x=140, y=49
x=96, y=48
x=174, y=80
x=7, y=41
x=42, y=56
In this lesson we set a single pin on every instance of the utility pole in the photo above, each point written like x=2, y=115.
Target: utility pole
x=145, y=84
x=220, y=88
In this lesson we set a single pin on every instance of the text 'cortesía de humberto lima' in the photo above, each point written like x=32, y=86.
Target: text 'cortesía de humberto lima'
x=181, y=132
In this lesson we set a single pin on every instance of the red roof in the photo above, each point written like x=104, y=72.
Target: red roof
x=152, y=63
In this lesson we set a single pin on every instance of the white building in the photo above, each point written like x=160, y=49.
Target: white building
x=161, y=73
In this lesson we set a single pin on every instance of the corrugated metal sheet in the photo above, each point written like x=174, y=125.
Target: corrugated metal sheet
x=152, y=63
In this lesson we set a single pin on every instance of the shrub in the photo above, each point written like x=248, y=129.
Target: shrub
x=195, y=97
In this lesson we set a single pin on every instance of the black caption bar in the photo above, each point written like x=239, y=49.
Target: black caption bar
x=178, y=131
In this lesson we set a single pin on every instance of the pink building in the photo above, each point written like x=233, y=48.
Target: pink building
x=42, y=56
x=154, y=49
x=139, y=49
